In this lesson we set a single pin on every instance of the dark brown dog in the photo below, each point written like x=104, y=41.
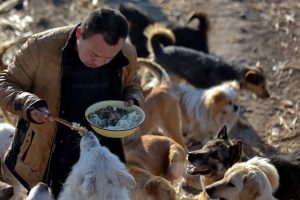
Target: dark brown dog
x=200, y=69
x=185, y=36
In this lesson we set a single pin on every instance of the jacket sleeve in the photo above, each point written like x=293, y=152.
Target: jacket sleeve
x=17, y=80
x=131, y=83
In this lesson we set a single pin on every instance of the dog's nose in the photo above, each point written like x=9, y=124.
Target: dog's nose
x=235, y=108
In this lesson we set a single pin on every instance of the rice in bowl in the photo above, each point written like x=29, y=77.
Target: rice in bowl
x=114, y=118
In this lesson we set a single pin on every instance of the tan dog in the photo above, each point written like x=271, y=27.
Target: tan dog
x=255, y=179
x=182, y=108
x=155, y=162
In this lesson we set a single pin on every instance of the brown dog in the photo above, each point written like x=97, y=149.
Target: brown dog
x=155, y=162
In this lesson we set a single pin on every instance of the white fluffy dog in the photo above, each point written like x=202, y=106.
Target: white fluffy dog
x=205, y=111
x=98, y=174
x=255, y=179
x=6, y=135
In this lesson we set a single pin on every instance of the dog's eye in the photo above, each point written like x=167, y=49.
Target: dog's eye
x=230, y=184
x=215, y=155
x=229, y=103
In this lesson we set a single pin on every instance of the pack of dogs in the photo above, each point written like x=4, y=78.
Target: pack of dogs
x=194, y=98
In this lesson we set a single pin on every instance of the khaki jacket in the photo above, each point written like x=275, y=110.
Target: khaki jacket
x=35, y=75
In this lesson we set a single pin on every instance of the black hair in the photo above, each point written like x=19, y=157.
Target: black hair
x=106, y=21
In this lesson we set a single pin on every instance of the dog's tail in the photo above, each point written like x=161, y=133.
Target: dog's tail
x=268, y=168
x=156, y=69
x=3, y=48
x=204, y=24
x=158, y=35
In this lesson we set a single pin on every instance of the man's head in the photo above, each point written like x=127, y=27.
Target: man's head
x=101, y=36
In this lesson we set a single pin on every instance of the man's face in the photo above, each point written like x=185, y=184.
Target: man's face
x=94, y=52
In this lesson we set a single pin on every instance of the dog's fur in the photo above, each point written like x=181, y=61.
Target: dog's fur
x=40, y=192
x=200, y=69
x=6, y=135
x=98, y=174
x=155, y=162
x=288, y=167
x=149, y=186
x=185, y=36
x=255, y=179
x=202, y=112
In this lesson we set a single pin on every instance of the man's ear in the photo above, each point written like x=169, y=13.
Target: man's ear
x=78, y=33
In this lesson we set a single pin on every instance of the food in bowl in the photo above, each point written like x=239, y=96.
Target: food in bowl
x=114, y=118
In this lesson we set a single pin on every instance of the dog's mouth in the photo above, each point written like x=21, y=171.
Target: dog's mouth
x=193, y=170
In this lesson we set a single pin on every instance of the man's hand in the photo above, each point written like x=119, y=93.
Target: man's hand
x=40, y=115
x=129, y=102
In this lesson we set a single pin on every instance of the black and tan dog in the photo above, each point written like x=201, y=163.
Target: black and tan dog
x=200, y=69
x=213, y=159
x=185, y=36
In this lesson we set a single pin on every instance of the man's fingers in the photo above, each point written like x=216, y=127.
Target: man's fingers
x=129, y=102
x=40, y=116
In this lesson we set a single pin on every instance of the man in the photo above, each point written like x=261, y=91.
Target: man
x=62, y=71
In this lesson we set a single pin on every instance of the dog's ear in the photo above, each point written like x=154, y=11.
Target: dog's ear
x=88, y=184
x=254, y=77
x=126, y=179
x=222, y=134
x=217, y=97
x=236, y=151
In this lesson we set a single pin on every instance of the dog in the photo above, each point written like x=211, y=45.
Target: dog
x=98, y=174
x=162, y=109
x=185, y=36
x=200, y=69
x=202, y=112
x=255, y=179
x=155, y=162
x=214, y=158
x=40, y=192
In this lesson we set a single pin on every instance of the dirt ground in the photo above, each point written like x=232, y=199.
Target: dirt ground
x=241, y=31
